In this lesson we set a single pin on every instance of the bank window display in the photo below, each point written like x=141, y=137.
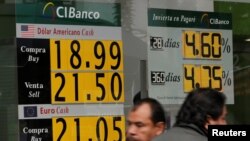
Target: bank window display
x=69, y=68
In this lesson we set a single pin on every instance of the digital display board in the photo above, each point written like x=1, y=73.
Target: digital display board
x=188, y=50
x=96, y=58
x=70, y=71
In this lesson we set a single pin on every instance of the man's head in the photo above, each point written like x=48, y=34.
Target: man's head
x=145, y=120
x=203, y=107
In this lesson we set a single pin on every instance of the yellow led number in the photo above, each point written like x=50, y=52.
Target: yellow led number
x=87, y=87
x=86, y=55
x=86, y=71
x=202, y=76
x=104, y=128
x=201, y=45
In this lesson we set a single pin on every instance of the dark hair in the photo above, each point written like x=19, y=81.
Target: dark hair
x=137, y=97
x=157, y=110
x=199, y=105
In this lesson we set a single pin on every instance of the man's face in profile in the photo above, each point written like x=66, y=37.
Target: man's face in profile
x=140, y=125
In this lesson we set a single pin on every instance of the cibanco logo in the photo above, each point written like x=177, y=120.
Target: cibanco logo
x=68, y=12
x=49, y=10
x=205, y=20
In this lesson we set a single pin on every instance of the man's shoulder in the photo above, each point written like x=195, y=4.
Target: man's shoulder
x=183, y=134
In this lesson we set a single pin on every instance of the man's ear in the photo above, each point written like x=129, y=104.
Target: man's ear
x=208, y=121
x=160, y=128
